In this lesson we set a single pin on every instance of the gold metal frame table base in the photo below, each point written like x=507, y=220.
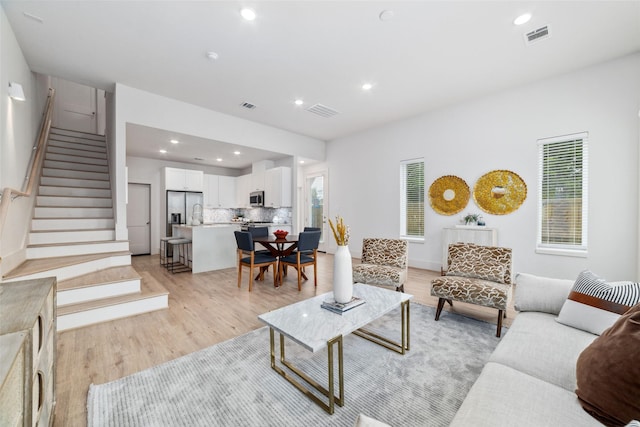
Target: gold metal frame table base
x=399, y=347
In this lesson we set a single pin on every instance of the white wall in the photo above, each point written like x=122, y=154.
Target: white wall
x=500, y=132
x=19, y=121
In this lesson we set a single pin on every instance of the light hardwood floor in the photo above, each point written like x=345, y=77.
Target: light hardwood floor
x=204, y=309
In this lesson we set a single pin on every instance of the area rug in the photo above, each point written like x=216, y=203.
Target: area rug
x=232, y=383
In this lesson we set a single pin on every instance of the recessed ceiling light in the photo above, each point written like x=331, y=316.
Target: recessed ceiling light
x=219, y=159
x=301, y=162
x=298, y=102
x=163, y=151
x=212, y=55
x=367, y=86
x=522, y=19
x=237, y=153
x=248, y=14
x=174, y=141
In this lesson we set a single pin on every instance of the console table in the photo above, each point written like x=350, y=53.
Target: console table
x=484, y=236
x=27, y=352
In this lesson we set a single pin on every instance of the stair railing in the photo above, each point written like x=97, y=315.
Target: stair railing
x=35, y=161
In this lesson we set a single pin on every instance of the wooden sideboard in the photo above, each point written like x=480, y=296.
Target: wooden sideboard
x=485, y=236
x=27, y=352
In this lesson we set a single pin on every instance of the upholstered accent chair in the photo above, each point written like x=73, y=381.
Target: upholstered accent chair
x=384, y=262
x=248, y=257
x=478, y=275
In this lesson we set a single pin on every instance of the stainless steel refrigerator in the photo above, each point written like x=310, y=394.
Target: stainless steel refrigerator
x=180, y=207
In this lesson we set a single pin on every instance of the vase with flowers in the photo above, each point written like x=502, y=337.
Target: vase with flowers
x=342, y=272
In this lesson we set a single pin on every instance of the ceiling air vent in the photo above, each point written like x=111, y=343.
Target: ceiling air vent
x=322, y=110
x=538, y=34
x=248, y=105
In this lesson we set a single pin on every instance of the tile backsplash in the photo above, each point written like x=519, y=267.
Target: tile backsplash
x=282, y=215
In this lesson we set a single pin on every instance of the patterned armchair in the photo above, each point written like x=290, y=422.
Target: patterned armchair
x=478, y=275
x=384, y=262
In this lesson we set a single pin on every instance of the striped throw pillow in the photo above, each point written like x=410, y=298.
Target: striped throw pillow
x=594, y=304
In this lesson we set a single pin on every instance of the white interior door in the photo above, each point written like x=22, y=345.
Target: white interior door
x=139, y=219
x=316, y=204
x=75, y=106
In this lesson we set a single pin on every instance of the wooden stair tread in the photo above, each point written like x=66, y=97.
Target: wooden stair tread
x=149, y=289
x=96, y=242
x=32, y=266
x=105, y=276
x=72, y=230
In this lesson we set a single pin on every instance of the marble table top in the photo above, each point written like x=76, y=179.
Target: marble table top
x=311, y=326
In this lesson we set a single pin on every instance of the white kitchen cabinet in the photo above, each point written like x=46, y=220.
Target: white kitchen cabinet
x=210, y=191
x=226, y=191
x=219, y=191
x=277, y=191
x=243, y=188
x=183, y=179
x=258, y=172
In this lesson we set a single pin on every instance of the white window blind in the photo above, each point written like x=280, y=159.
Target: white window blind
x=412, y=198
x=562, y=195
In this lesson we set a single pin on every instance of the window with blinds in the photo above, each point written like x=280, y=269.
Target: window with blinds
x=412, y=199
x=562, y=195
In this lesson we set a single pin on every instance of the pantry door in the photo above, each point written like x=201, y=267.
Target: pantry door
x=139, y=219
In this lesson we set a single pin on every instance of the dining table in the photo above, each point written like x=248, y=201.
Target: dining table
x=278, y=247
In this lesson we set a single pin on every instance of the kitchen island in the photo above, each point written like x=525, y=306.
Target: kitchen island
x=213, y=246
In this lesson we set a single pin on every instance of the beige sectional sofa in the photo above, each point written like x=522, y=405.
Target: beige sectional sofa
x=530, y=379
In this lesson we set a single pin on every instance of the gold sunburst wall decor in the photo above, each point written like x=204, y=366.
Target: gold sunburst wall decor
x=449, y=195
x=500, y=192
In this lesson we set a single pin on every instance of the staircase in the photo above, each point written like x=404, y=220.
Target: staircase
x=73, y=238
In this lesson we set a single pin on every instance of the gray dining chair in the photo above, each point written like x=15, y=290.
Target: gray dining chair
x=248, y=257
x=305, y=255
x=259, y=232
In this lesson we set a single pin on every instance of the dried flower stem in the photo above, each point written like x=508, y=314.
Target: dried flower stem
x=340, y=231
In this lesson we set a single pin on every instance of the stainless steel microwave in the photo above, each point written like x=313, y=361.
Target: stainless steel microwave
x=256, y=198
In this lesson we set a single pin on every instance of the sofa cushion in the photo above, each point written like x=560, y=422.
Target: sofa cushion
x=379, y=274
x=539, y=346
x=485, y=270
x=364, y=421
x=608, y=372
x=544, y=294
x=473, y=291
x=505, y=397
x=593, y=304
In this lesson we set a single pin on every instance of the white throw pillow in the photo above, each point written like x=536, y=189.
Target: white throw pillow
x=364, y=421
x=594, y=305
x=543, y=294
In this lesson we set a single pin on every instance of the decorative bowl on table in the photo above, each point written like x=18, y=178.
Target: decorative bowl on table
x=280, y=234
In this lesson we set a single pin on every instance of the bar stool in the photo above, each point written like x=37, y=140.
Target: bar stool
x=164, y=249
x=181, y=246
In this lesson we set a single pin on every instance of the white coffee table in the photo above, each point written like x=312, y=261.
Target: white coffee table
x=315, y=328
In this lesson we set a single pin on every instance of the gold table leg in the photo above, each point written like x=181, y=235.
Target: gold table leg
x=405, y=340
x=329, y=406
x=329, y=393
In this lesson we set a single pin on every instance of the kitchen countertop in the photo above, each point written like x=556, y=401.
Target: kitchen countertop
x=224, y=224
